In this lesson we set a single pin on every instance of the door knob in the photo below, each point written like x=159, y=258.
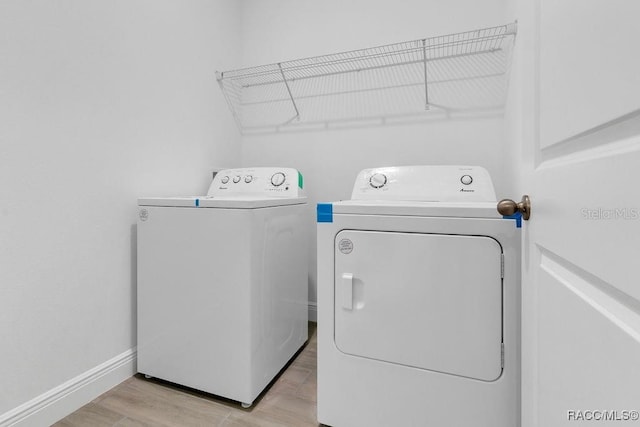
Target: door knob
x=509, y=207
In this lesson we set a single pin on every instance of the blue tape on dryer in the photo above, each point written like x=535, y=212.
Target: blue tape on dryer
x=517, y=216
x=324, y=212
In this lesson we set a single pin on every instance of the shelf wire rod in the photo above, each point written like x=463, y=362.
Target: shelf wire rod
x=388, y=59
x=489, y=43
x=340, y=64
x=501, y=31
x=426, y=86
x=448, y=45
x=337, y=60
x=395, y=64
x=451, y=44
x=466, y=63
x=293, y=101
x=484, y=43
x=446, y=48
x=364, y=71
x=333, y=93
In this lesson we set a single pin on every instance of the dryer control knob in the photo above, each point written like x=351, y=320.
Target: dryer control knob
x=248, y=179
x=224, y=179
x=277, y=179
x=378, y=180
x=236, y=179
x=466, y=179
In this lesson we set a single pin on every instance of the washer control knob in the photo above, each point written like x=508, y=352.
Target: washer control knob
x=277, y=179
x=466, y=179
x=248, y=179
x=224, y=179
x=236, y=179
x=378, y=180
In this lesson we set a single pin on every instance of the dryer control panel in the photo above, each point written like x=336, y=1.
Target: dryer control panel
x=425, y=183
x=258, y=181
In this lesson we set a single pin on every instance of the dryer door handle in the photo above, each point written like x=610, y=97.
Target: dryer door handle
x=347, y=291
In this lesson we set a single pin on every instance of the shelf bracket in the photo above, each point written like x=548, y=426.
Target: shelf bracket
x=426, y=88
x=293, y=101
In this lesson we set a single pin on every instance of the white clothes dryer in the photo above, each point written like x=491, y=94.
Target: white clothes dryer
x=222, y=282
x=418, y=302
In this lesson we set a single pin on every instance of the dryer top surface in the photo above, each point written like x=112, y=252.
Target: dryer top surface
x=413, y=208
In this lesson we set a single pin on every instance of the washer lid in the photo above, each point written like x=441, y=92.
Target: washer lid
x=412, y=208
x=247, y=202
x=186, y=202
x=239, y=202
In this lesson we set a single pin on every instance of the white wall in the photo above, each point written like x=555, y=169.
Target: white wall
x=516, y=127
x=100, y=102
x=278, y=30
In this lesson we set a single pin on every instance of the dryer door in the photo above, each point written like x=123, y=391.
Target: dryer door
x=430, y=301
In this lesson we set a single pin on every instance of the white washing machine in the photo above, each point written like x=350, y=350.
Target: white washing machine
x=418, y=302
x=222, y=282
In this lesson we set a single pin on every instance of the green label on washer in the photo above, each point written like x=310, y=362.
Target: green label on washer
x=300, y=180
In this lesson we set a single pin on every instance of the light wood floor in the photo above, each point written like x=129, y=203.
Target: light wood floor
x=289, y=401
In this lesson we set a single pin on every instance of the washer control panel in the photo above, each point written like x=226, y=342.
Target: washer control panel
x=258, y=181
x=425, y=183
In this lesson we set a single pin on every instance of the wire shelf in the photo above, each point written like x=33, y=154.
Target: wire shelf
x=459, y=72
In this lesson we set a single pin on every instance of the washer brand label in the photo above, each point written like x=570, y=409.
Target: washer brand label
x=345, y=246
x=143, y=214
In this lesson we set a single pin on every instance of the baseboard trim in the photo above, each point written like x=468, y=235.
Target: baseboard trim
x=62, y=400
x=313, y=312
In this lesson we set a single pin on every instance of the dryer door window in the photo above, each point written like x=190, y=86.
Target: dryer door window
x=429, y=301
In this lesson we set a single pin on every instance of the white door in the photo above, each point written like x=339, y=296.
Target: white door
x=429, y=301
x=575, y=113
